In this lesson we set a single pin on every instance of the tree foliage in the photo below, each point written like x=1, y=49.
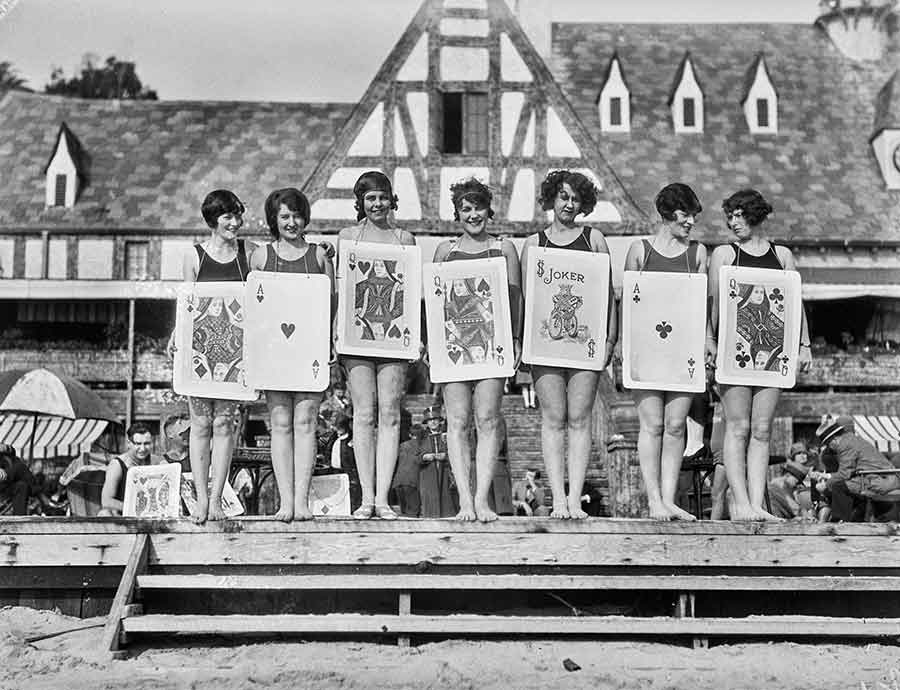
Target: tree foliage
x=112, y=79
x=9, y=77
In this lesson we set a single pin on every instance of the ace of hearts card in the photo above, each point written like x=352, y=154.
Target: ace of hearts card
x=209, y=341
x=287, y=334
x=760, y=311
x=664, y=331
x=379, y=300
x=566, y=309
x=469, y=325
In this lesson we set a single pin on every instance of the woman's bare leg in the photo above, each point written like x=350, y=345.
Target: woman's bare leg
x=676, y=410
x=761, y=414
x=487, y=398
x=306, y=415
x=200, y=442
x=280, y=406
x=651, y=411
x=550, y=386
x=736, y=401
x=391, y=379
x=222, y=448
x=458, y=407
x=361, y=382
x=581, y=393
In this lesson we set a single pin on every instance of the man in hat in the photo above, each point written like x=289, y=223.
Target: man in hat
x=437, y=489
x=846, y=489
x=15, y=481
x=783, y=491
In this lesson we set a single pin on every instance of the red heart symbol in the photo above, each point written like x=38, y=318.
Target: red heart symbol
x=287, y=329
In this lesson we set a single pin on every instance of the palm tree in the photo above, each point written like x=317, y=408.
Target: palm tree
x=9, y=78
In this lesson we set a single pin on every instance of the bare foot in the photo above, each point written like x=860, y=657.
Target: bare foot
x=560, y=511
x=485, y=514
x=284, y=514
x=678, y=513
x=658, y=511
x=302, y=514
x=202, y=512
x=466, y=513
x=216, y=512
x=575, y=511
x=364, y=512
x=764, y=516
x=744, y=513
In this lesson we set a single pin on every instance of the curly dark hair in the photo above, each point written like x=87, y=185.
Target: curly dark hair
x=472, y=190
x=751, y=202
x=677, y=197
x=368, y=181
x=291, y=197
x=580, y=184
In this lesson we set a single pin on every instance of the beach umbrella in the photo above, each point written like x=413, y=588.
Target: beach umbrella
x=44, y=413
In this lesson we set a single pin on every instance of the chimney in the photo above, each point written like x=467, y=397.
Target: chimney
x=859, y=31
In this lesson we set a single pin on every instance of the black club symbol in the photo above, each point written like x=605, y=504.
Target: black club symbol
x=636, y=299
x=663, y=329
x=742, y=360
x=776, y=295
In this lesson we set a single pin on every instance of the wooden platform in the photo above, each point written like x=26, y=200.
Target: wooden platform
x=438, y=577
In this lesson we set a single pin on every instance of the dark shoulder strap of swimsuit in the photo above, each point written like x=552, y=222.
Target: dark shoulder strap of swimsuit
x=692, y=250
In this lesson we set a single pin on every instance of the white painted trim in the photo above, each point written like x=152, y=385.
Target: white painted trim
x=614, y=88
x=61, y=164
x=688, y=88
x=761, y=89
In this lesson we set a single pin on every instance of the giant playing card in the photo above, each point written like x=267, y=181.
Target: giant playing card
x=209, y=341
x=287, y=331
x=664, y=331
x=379, y=300
x=759, y=327
x=153, y=491
x=469, y=326
x=566, y=308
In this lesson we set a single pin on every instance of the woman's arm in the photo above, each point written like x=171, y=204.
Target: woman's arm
x=720, y=257
x=190, y=266
x=514, y=278
x=612, y=312
x=257, y=260
x=108, y=500
x=523, y=262
x=804, y=361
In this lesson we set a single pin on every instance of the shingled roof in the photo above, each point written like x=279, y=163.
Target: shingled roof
x=818, y=172
x=150, y=163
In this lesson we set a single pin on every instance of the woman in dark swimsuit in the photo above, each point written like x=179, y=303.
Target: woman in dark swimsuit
x=567, y=395
x=749, y=409
x=293, y=414
x=222, y=257
x=472, y=208
x=663, y=414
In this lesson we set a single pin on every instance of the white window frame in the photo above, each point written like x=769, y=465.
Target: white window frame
x=62, y=164
x=688, y=88
x=761, y=89
x=614, y=87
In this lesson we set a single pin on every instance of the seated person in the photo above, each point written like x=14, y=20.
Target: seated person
x=15, y=481
x=177, y=432
x=343, y=459
x=784, y=492
x=140, y=442
x=845, y=490
x=529, y=495
x=437, y=486
x=591, y=500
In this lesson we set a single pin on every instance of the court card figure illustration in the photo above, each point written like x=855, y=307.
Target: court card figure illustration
x=288, y=318
x=209, y=338
x=759, y=327
x=153, y=491
x=379, y=292
x=469, y=325
x=566, y=309
x=664, y=331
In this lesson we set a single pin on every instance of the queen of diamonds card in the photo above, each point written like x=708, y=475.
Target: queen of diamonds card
x=664, y=331
x=566, y=309
x=379, y=295
x=209, y=341
x=153, y=491
x=759, y=327
x=469, y=326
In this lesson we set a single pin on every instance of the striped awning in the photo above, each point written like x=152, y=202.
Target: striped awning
x=882, y=431
x=53, y=436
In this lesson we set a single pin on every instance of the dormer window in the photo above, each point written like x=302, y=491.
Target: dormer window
x=760, y=99
x=614, y=101
x=686, y=99
x=63, y=172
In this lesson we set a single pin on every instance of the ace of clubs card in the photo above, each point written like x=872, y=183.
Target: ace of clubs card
x=664, y=331
x=759, y=327
x=287, y=331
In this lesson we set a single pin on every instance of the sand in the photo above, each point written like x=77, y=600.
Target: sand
x=72, y=661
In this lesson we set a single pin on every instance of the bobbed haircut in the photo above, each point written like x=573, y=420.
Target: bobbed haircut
x=137, y=428
x=580, y=184
x=677, y=197
x=368, y=182
x=474, y=191
x=751, y=202
x=219, y=202
x=291, y=197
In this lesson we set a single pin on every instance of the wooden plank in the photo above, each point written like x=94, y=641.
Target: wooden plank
x=137, y=563
x=763, y=626
x=60, y=549
x=404, y=608
x=520, y=550
x=53, y=577
x=519, y=582
x=505, y=525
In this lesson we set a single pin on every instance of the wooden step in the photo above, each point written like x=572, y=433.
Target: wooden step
x=694, y=583
x=765, y=626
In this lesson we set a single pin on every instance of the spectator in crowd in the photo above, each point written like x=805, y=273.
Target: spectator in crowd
x=437, y=483
x=528, y=495
x=177, y=432
x=140, y=443
x=342, y=458
x=15, y=482
x=845, y=490
x=799, y=453
x=591, y=500
x=405, y=485
x=784, y=497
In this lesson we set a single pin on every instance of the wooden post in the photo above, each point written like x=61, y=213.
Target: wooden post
x=627, y=497
x=405, y=609
x=129, y=383
x=136, y=565
x=45, y=254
